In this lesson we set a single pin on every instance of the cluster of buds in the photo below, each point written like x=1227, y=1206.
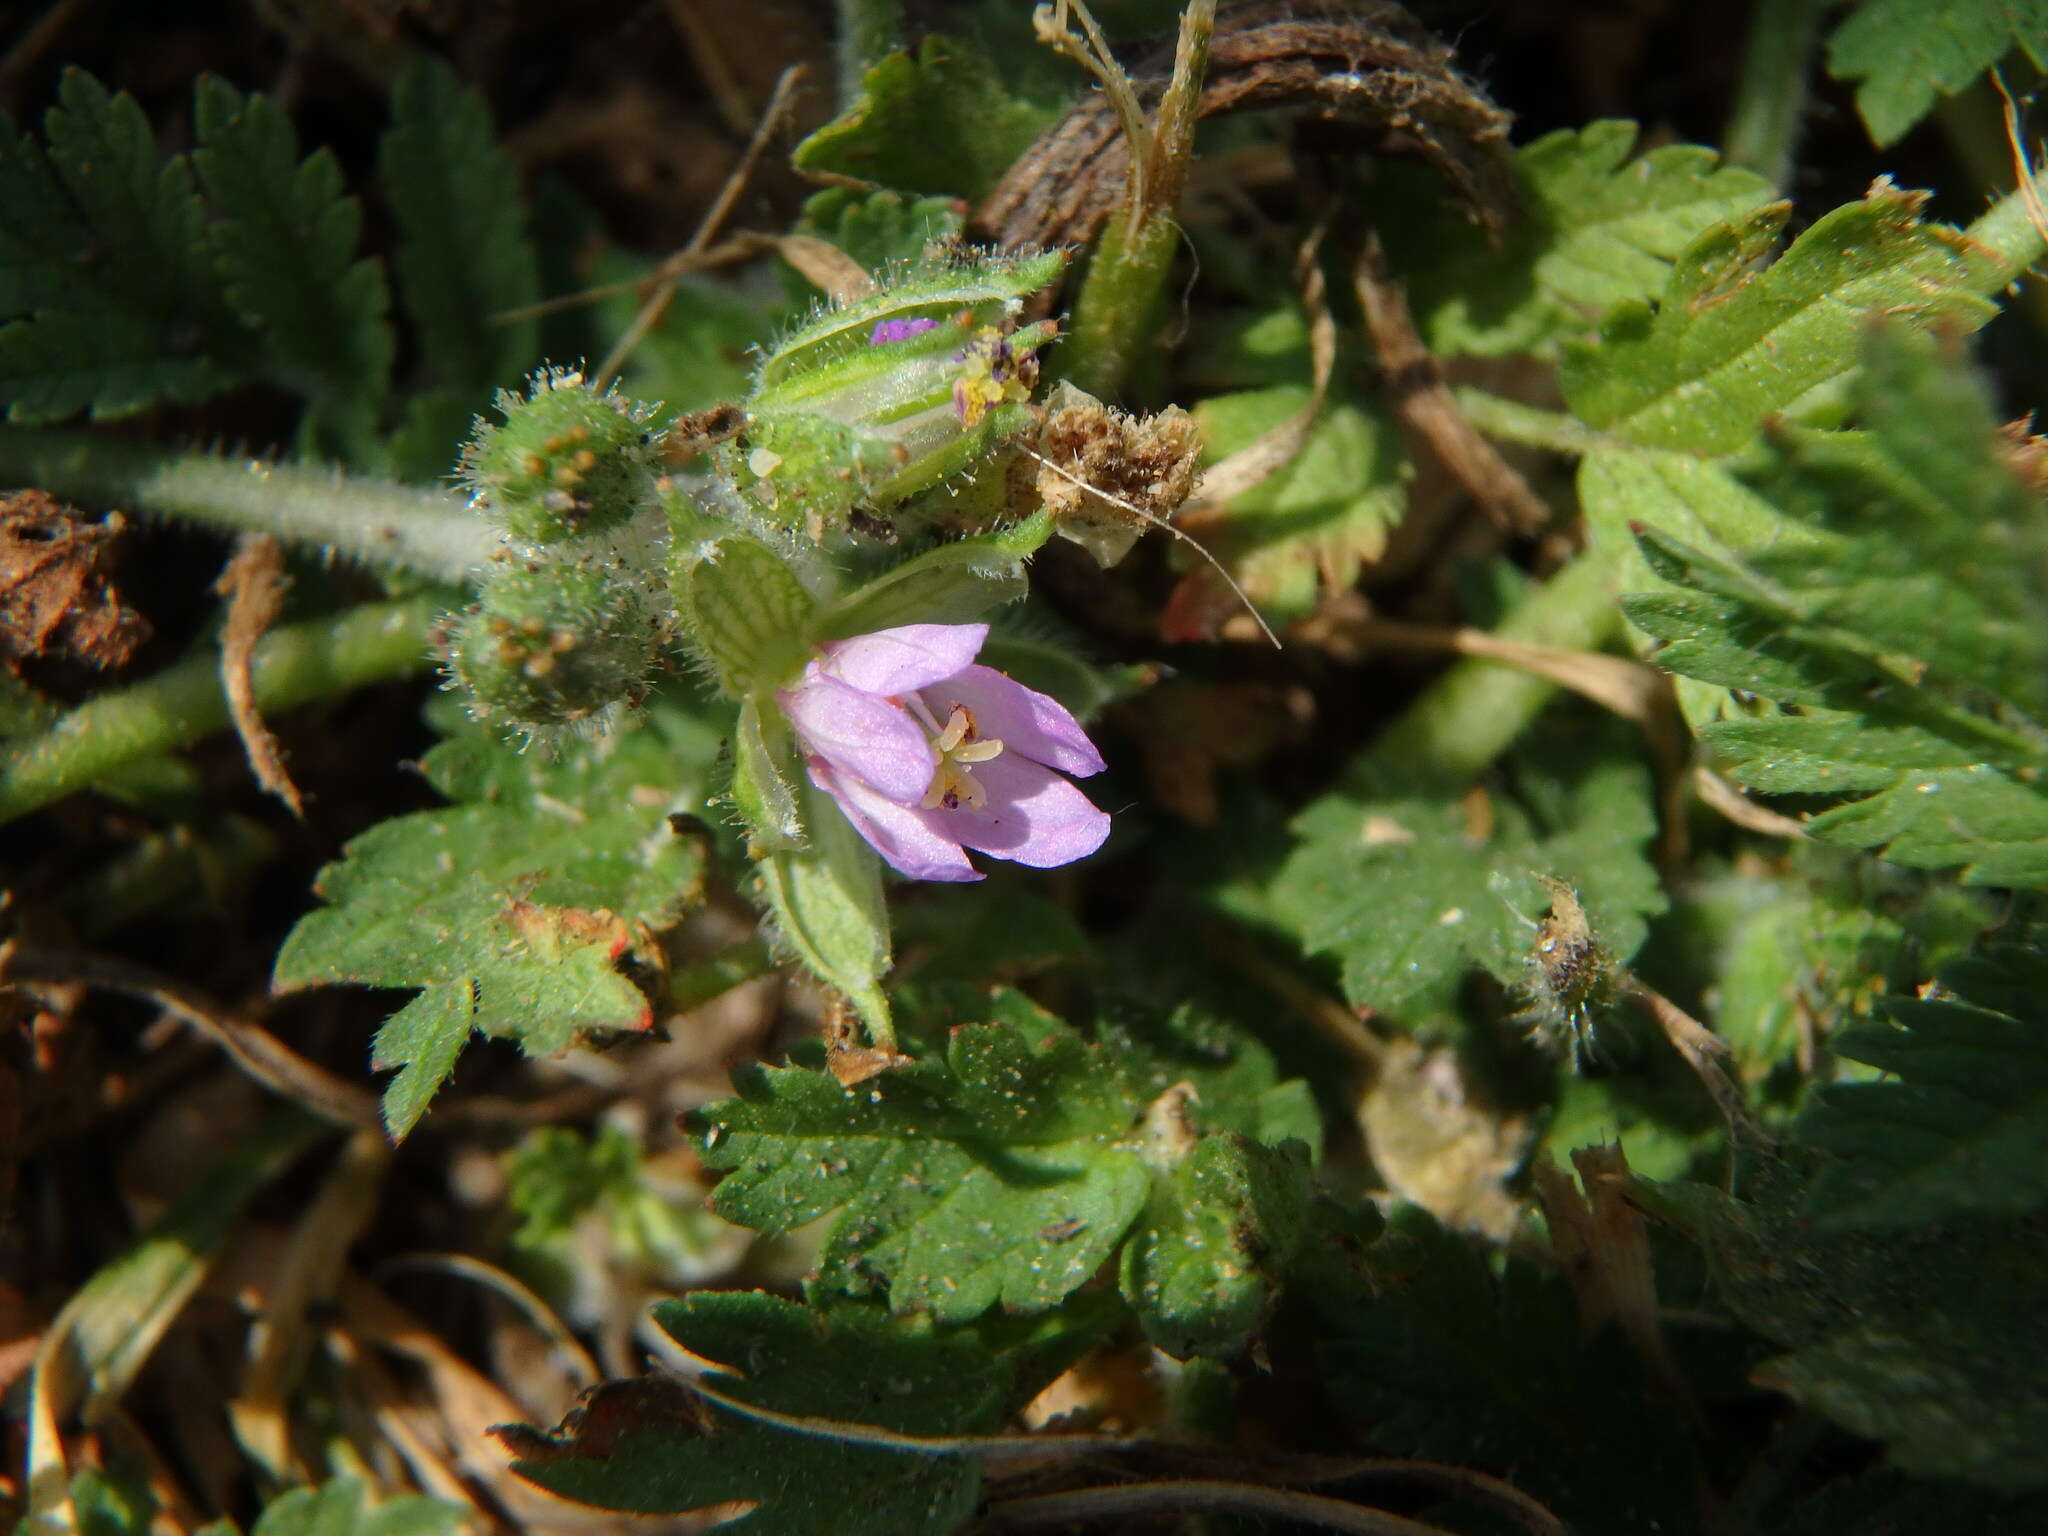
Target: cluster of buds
x=570, y=619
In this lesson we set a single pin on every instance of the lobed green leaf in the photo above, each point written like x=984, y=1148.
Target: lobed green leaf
x=106, y=284
x=1905, y=54
x=518, y=910
x=285, y=239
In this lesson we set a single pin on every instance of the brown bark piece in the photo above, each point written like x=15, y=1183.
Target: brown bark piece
x=1414, y=382
x=1369, y=67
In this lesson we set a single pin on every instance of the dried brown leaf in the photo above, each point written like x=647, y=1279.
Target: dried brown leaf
x=254, y=583
x=56, y=596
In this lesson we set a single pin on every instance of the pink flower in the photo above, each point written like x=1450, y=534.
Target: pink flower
x=929, y=754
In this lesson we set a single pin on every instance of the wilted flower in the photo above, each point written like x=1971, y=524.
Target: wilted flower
x=930, y=754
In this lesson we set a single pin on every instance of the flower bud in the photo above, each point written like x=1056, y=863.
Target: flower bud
x=567, y=460
x=556, y=644
x=874, y=401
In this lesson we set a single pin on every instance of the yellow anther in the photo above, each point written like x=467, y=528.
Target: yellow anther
x=952, y=785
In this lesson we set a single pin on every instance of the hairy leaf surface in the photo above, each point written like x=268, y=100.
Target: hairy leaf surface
x=519, y=909
x=109, y=296
x=1601, y=226
x=1961, y=1124
x=1885, y=591
x=1007, y=1169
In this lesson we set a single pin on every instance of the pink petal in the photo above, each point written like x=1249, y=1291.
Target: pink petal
x=861, y=735
x=897, y=661
x=1022, y=719
x=901, y=834
x=1033, y=816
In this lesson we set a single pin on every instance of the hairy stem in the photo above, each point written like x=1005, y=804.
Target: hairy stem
x=2013, y=229
x=373, y=521
x=1132, y=258
x=1771, y=92
x=299, y=662
x=1119, y=297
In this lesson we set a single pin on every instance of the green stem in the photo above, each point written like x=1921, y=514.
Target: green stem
x=1974, y=122
x=2013, y=232
x=1770, y=96
x=293, y=664
x=373, y=521
x=1475, y=711
x=1118, y=300
x=868, y=29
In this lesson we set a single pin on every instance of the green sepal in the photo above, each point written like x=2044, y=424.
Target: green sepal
x=762, y=790
x=826, y=902
x=985, y=286
x=877, y=427
x=955, y=583
x=743, y=609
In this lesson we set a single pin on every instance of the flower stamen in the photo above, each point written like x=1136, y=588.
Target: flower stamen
x=952, y=785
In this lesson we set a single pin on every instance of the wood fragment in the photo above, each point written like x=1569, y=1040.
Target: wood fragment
x=254, y=583
x=1366, y=66
x=1718, y=794
x=1702, y=1050
x=1603, y=1247
x=309, y=1270
x=1414, y=383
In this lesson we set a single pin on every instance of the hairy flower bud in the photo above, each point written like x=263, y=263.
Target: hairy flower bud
x=555, y=644
x=567, y=460
x=874, y=401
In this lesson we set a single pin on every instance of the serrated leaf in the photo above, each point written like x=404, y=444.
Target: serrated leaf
x=1962, y=1122
x=285, y=238
x=1438, y=1350
x=1601, y=226
x=645, y=1447
x=1810, y=954
x=1903, y=54
x=1407, y=894
x=1884, y=589
x=104, y=275
x=1728, y=344
x=1004, y=1171
x=336, y=1509
x=1321, y=518
x=881, y=229
x=942, y=121
x=1205, y=1263
x=517, y=909
x=1931, y=1338
x=463, y=257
